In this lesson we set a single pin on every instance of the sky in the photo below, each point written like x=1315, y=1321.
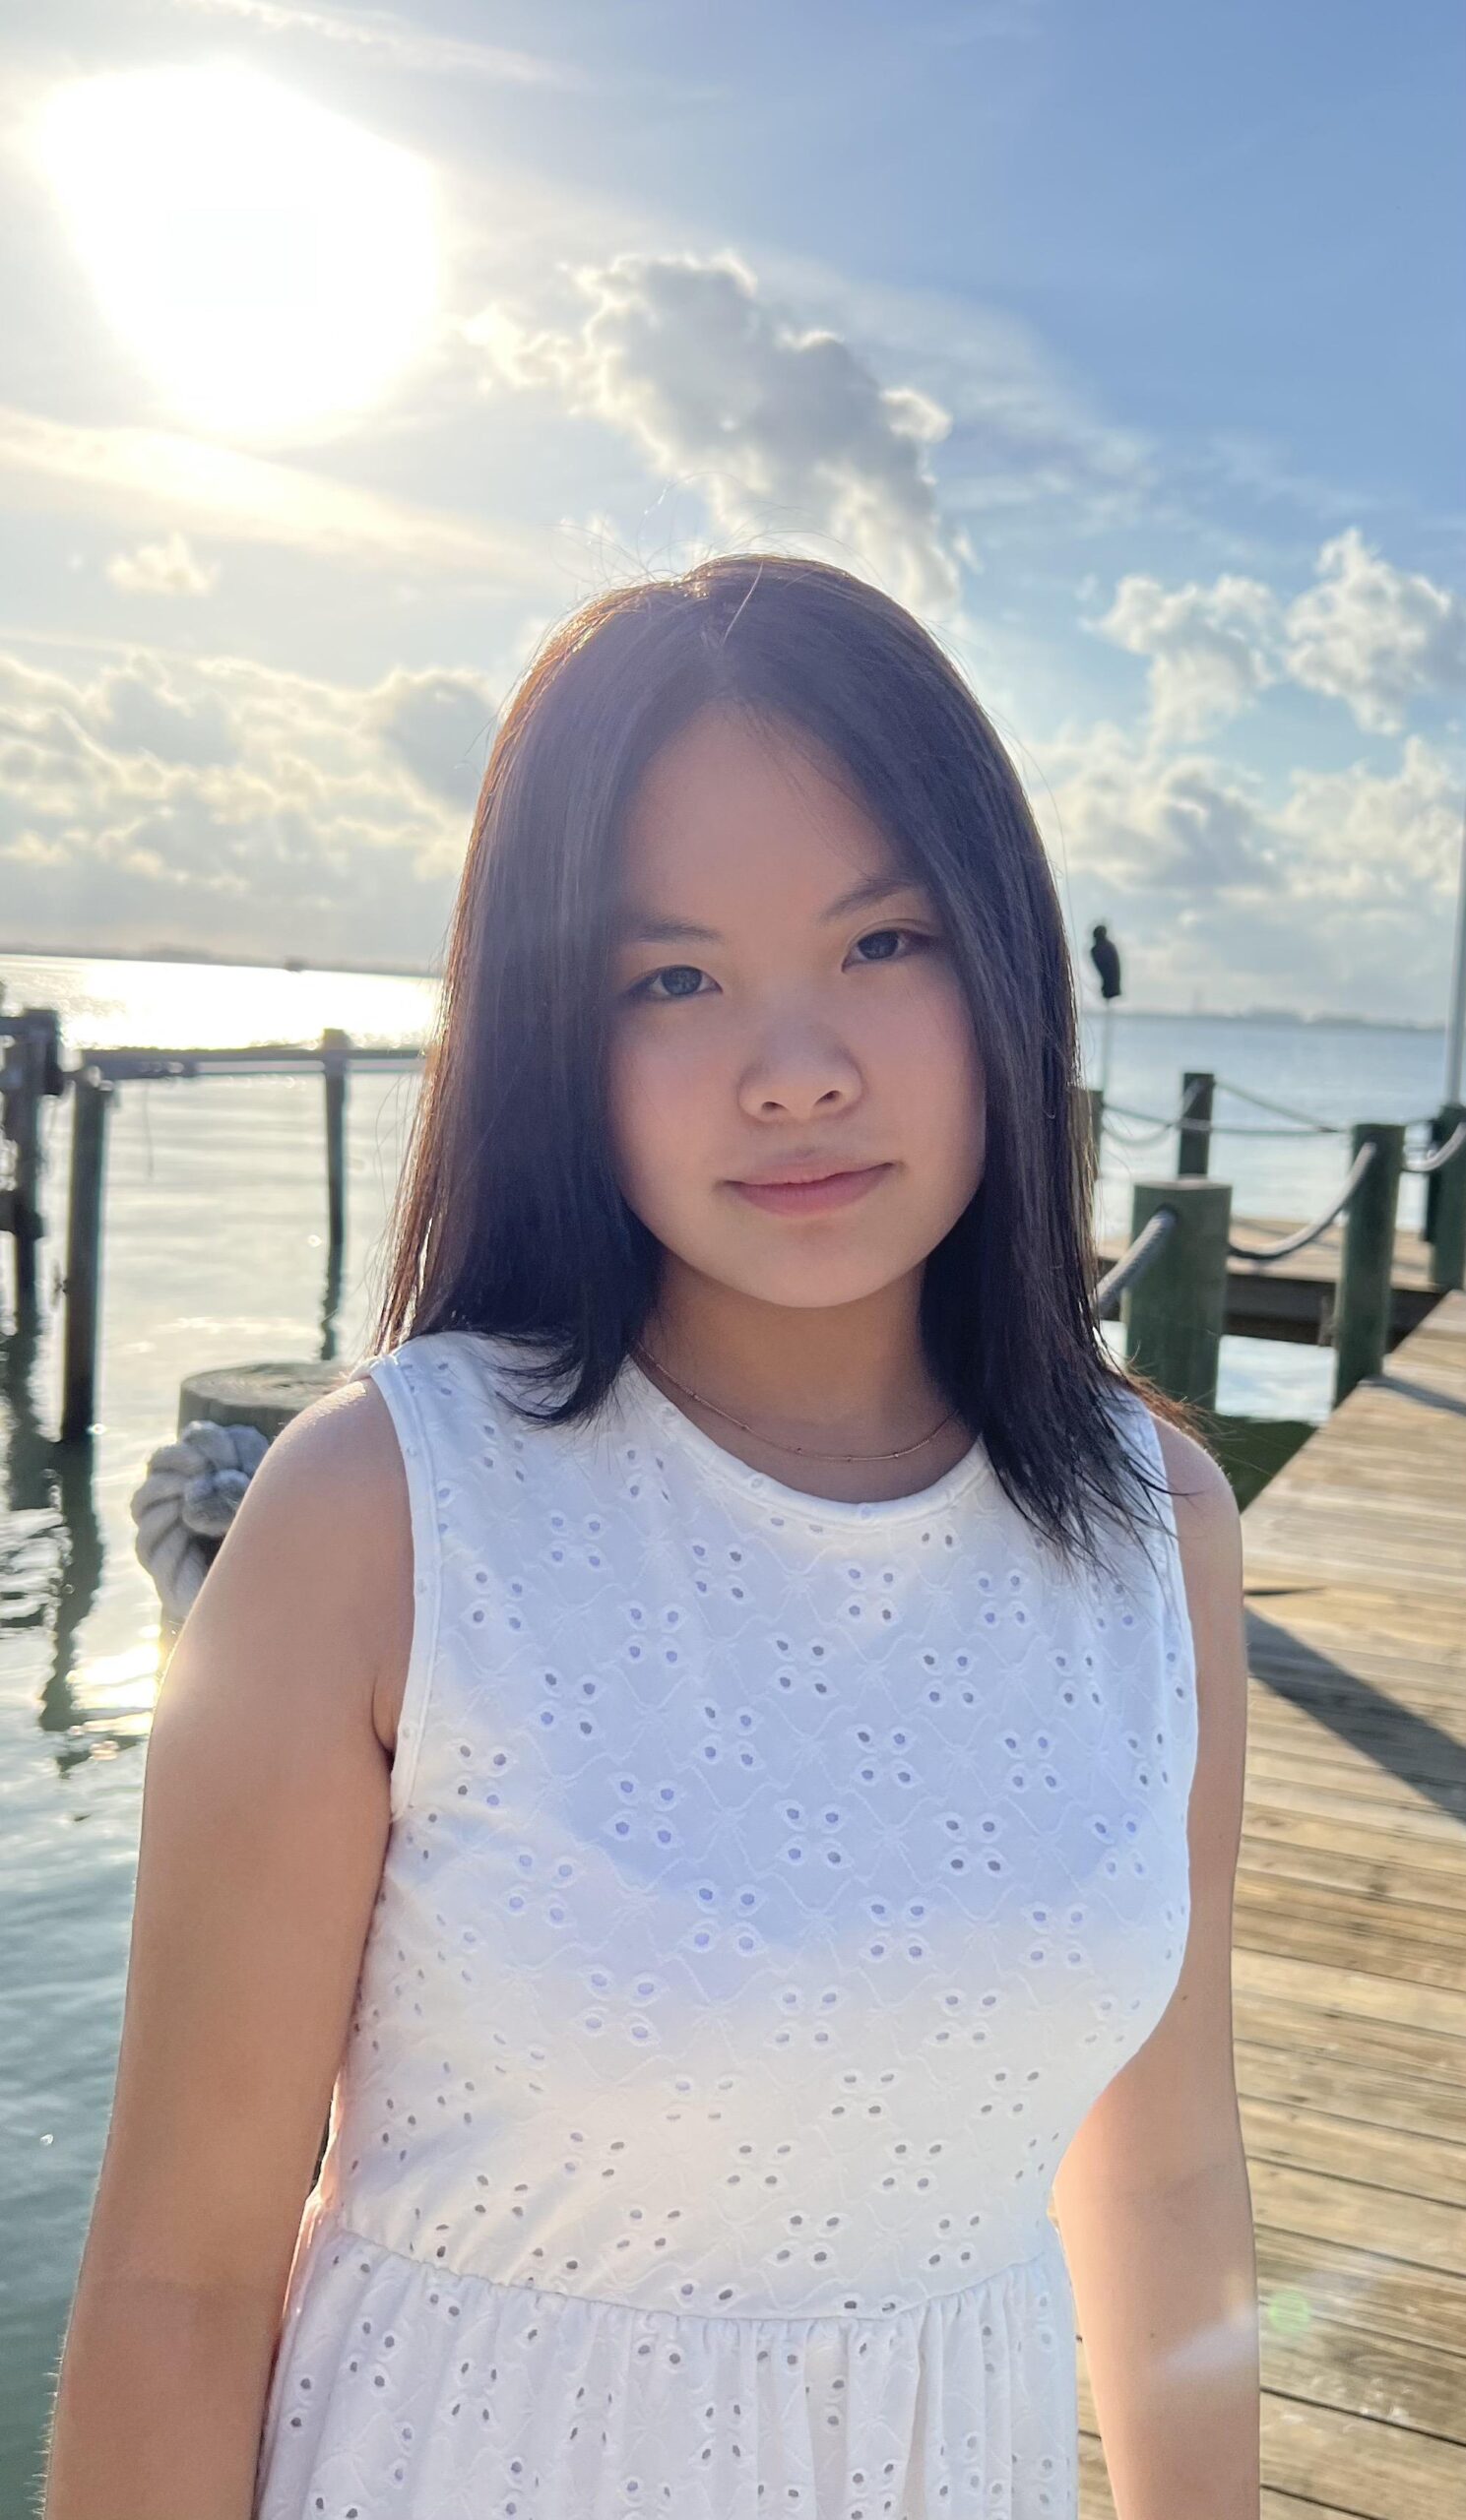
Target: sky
x=347, y=350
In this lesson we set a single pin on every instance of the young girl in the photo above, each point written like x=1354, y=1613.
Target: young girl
x=716, y=1754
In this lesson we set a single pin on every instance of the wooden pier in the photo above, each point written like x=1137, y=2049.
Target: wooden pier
x=1349, y=1969
x=1295, y=1299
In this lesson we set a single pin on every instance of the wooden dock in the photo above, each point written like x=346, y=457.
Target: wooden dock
x=1350, y=1951
x=1294, y=1298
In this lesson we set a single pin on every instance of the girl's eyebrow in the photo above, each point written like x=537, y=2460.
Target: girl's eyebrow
x=643, y=927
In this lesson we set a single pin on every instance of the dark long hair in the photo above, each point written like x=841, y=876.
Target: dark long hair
x=509, y=1219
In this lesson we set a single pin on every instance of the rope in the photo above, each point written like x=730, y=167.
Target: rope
x=1442, y=1154
x=1144, y=1137
x=191, y=1495
x=1263, y=1256
x=1160, y=1128
x=1307, y=1127
x=1288, y=1111
x=1212, y=1128
x=1132, y=1264
x=1284, y=1111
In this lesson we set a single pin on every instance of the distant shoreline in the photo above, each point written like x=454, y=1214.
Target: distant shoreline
x=407, y=972
x=200, y=954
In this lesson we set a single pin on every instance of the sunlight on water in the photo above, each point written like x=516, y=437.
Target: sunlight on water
x=114, y=1697
x=114, y=1005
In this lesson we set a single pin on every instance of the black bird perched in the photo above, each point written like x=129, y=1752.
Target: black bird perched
x=1104, y=956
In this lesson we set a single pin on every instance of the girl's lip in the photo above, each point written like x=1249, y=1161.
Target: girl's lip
x=795, y=1198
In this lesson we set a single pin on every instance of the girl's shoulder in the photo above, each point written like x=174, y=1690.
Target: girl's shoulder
x=1196, y=1485
x=1202, y=1502
x=1205, y=1548
x=337, y=1474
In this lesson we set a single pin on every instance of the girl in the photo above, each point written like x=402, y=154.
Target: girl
x=718, y=1751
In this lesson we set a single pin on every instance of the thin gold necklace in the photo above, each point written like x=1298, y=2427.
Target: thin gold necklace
x=642, y=1357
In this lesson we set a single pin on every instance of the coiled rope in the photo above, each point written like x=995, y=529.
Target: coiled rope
x=190, y=1495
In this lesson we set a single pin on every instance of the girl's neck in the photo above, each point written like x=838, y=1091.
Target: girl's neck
x=808, y=1387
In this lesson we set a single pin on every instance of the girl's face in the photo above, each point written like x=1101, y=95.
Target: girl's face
x=763, y=1020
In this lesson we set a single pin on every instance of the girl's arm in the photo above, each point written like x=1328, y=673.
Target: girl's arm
x=265, y=1817
x=1153, y=2199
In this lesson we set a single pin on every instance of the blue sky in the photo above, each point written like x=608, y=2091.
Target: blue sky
x=1122, y=343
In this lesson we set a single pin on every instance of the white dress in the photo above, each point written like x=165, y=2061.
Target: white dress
x=772, y=1885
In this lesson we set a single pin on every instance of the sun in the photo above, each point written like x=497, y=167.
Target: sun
x=273, y=264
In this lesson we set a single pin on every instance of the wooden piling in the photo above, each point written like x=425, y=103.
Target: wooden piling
x=92, y=1097
x=29, y=1064
x=1089, y=1118
x=335, y=1048
x=1173, y=1315
x=263, y=1396
x=1193, y=1142
x=1362, y=1306
x=1438, y=1135
x=1448, y=1218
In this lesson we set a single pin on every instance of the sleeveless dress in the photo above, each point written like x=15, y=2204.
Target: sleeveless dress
x=772, y=1885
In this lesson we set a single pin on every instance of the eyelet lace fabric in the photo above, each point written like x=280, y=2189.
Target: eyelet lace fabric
x=772, y=1885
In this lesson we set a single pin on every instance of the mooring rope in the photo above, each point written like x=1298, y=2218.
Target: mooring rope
x=1263, y=1254
x=1132, y=1264
x=189, y=1496
x=1442, y=1155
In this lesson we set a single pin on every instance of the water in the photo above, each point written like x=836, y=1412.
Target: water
x=215, y=1254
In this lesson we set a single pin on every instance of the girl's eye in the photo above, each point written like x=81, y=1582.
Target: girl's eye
x=674, y=971
x=877, y=934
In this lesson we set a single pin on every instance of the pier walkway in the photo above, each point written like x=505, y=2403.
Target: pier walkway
x=1350, y=1951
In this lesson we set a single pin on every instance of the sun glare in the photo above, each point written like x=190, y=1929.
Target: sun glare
x=273, y=264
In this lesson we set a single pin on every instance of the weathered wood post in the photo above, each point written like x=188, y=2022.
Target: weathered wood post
x=1362, y=1311
x=1174, y=1314
x=335, y=1048
x=92, y=1097
x=1089, y=1116
x=1438, y=1135
x=1448, y=1240
x=265, y=1397
x=27, y=1065
x=1193, y=1142
x=9, y=1077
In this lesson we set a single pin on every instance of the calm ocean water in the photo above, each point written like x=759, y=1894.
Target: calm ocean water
x=215, y=1254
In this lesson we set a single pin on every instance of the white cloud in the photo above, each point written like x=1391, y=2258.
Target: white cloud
x=786, y=432
x=168, y=567
x=1210, y=647
x=1339, y=896
x=1369, y=634
x=205, y=802
x=1184, y=826
x=1374, y=636
x=441, y=724
x=139, y=711
x=1377, y=838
